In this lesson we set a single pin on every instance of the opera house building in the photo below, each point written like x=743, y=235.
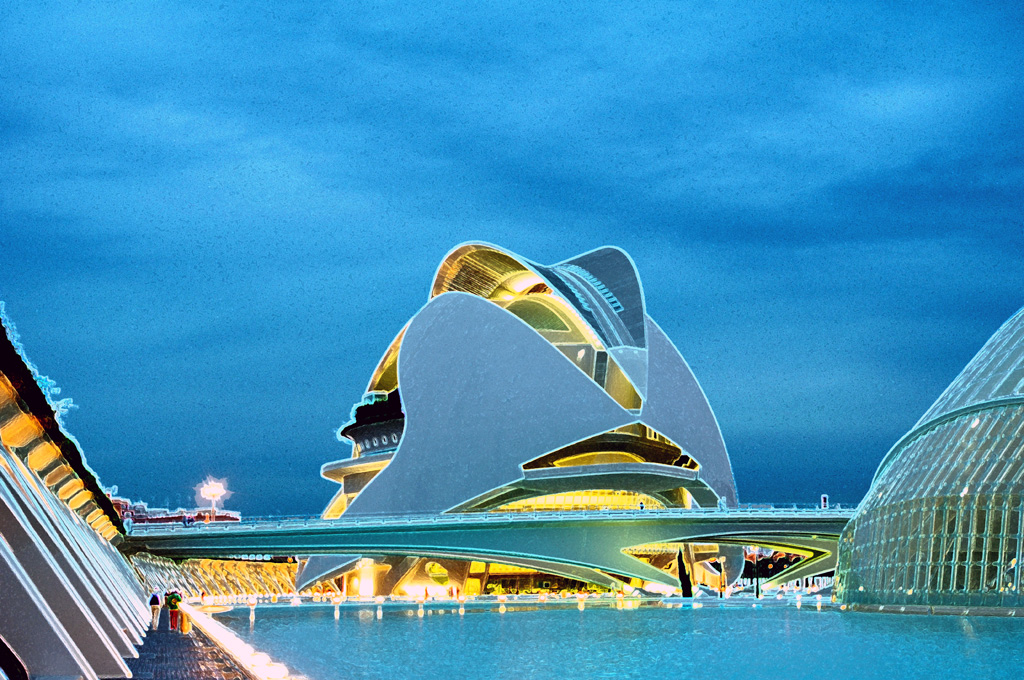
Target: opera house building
x=942, y=522
x=528, y=387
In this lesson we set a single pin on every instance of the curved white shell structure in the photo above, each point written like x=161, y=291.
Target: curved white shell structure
x=519, y=380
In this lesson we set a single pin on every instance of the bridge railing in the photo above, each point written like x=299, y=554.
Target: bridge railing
x=294, y=522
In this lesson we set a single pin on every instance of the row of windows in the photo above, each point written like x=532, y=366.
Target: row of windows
x=379, y=441
x=613, y=301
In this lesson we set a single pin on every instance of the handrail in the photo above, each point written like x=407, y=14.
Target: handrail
x=293, y=523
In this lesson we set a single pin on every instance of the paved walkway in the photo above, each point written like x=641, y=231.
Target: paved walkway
x=169, y=655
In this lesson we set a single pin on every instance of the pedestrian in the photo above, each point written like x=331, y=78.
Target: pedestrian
x=185, y=624
x=167, y=603
x=172, y=600
x=154, y=605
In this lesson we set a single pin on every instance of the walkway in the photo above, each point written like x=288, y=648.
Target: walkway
x=168, y=655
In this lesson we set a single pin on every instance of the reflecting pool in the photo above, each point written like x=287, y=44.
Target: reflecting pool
x=734, y=641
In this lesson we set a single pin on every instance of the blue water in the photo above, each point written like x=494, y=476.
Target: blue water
x=649, y=642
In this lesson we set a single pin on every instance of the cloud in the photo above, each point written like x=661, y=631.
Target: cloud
x=214, y=219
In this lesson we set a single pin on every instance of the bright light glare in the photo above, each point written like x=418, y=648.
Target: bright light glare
x=522, y=282
x=365, y=582
x=213, y=490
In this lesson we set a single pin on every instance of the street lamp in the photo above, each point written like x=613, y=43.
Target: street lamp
x=213, y=490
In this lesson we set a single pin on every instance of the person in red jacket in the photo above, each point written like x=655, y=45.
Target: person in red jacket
x=172, y=599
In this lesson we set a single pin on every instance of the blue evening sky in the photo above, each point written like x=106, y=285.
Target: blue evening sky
x=214, y=218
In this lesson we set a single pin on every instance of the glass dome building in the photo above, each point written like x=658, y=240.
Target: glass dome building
x=942, y=521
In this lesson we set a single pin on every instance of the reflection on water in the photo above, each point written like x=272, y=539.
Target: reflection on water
x=529, y=641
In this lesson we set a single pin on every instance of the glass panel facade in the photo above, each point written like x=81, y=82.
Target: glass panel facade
x=942, y=522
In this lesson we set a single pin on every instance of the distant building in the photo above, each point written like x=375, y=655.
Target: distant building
x=139, y=512
x=943, y=521
x=525, y=387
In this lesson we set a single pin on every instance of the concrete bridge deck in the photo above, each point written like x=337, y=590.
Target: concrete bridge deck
x=586, y=545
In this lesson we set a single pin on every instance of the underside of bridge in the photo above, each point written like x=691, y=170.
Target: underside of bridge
x=617, y=552
x=378, y=574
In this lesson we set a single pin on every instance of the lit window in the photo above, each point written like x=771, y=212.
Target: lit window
x=394, y=439
x=374, y=441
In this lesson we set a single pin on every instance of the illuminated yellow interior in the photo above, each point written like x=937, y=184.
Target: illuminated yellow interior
x=20, y=430
x=42, y=456
x=619, y=388
x=654, y=549
x=79, y=499
x=498, y=569
x=500, y=278
x=485, y=272
x=632, y=443
x=437, y=573
x=641, y=430
x=7, y=391
x=538, y=315
x=385, y=376
x=599, y=458
x=337, y=505
x=70, y=488
x=595, y=499
x=553, y=318
x=56, y=475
